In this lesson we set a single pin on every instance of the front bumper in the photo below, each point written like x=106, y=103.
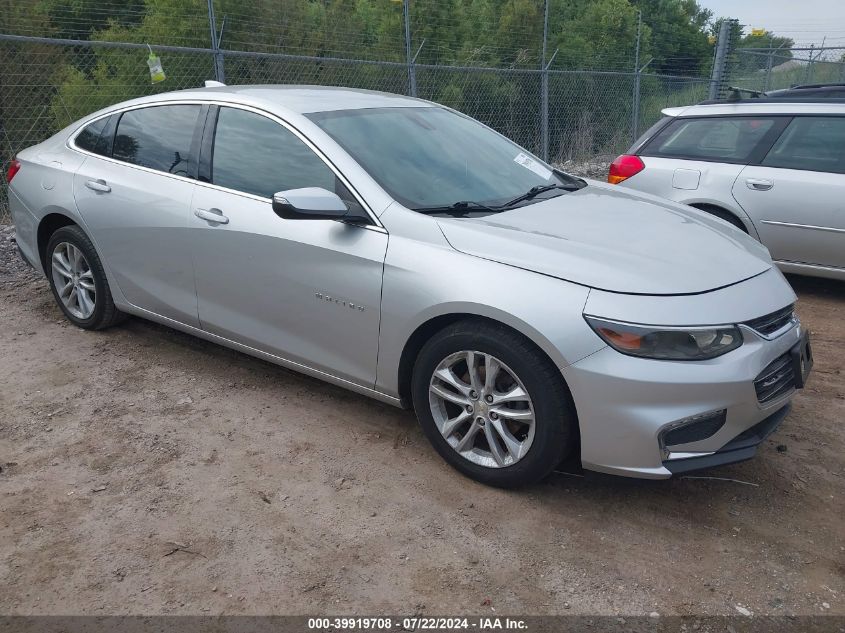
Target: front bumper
x=626, y=405
x=743, y=447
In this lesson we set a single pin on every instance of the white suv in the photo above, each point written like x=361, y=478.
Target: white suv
x=774, y=168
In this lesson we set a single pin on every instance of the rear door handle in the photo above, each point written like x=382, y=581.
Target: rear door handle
x=759, y=184
x=98, y=185
x=212, y=215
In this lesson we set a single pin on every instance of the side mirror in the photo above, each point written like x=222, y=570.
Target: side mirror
x=310, y=203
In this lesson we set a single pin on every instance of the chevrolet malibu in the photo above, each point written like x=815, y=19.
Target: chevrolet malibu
x=409, y=253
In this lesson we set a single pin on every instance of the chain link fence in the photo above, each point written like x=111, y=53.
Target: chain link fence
x=568, y=112
x=764, y=69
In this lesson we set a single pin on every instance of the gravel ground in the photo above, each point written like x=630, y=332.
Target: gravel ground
x=145, y=471
x=596, y=169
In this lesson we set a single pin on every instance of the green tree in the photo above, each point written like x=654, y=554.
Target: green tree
x=26, y=79
x=78, y=19
x=679, y=36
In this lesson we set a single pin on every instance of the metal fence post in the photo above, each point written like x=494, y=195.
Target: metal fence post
x=219, y=73
x=544, y=88
x=769, y=62
x=412, y=73
x=635, y=104
x=721, y=61
x=809, y=77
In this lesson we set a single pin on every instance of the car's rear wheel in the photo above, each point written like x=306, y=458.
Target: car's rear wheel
x=78, y=280
x=492, y=404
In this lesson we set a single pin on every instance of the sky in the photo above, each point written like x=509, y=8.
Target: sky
x=805, y=21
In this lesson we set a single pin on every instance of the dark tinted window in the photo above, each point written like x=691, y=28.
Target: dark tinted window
x=157, y=137
x=89, y=138
x=713, y=138
x=814, y=143
x=256, y=155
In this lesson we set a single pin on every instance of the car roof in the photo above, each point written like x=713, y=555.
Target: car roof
x=298, y=99
x=757, y=106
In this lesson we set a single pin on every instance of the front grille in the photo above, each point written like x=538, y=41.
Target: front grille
x=775, y=380
x=771, y=323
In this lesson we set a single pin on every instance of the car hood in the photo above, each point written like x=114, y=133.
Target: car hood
x=616, y=240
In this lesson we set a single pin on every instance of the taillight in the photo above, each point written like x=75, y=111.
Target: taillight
x=14, y=167
x=623, y=168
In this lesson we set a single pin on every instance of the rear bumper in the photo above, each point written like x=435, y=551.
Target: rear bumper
x=26, y=230
x=741, y=448
x=23, y=255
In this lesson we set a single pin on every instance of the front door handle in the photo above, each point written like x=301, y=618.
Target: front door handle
x=759, y=184
x=212, y=215
x=98, y=185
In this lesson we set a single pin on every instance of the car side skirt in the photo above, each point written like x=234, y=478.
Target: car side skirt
x=812, y=270
x=276, y=360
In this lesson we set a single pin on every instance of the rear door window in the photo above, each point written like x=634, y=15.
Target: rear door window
x=723, y=139
x=810, y=143
x=157, y=137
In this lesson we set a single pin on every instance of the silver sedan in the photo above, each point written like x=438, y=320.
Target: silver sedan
x=409, y=253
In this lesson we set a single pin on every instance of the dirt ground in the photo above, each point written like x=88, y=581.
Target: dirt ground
x=147, y=472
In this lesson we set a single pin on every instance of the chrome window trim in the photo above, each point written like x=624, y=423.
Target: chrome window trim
x=71, y=144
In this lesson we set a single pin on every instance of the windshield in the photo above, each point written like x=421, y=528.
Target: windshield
x=430, y=157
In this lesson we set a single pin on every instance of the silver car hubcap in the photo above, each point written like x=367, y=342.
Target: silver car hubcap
x=482, y=409
x=74, y=280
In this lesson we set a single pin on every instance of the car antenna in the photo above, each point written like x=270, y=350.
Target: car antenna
x=210, y=83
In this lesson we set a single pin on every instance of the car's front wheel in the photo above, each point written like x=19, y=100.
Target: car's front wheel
x=78, y=280
x=492, y=404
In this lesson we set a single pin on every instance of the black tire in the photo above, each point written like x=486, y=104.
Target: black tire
x=722, y=214
x=555, y=433
x=105, y=313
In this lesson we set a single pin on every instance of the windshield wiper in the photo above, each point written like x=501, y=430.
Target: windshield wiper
x=536, y=191
x=459, y=209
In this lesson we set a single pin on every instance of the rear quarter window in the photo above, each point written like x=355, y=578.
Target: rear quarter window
x=648, y=134
x=89, y=138
x=724, y=139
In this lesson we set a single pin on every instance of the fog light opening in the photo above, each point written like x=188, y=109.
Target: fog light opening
x=692, y=429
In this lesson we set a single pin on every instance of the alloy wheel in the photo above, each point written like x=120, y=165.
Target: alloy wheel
x=482, y=409
x=74, y=280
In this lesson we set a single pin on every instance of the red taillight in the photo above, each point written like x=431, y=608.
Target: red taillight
x=14, y=167
x=623, y=168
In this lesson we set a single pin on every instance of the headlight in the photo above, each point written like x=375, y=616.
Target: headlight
x=667, y=343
